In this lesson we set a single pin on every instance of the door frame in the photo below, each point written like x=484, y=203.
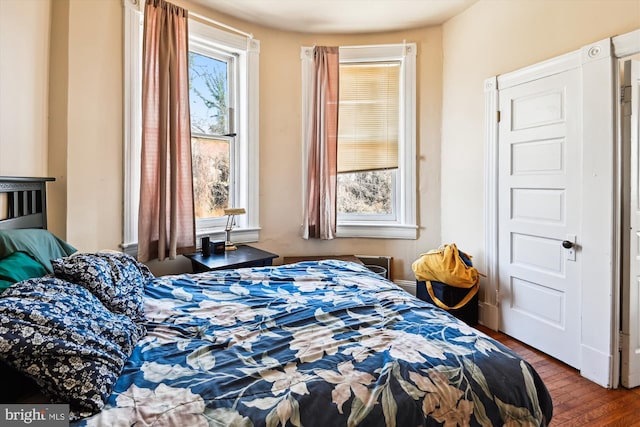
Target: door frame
x=629, y=373
x=600, y=358
x=624, y=46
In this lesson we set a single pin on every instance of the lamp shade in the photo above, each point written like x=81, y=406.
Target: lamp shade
x=234, y=211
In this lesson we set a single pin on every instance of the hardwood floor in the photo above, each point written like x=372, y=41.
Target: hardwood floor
x=577, y=402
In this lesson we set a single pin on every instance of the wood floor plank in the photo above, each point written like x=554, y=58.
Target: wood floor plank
x=577, y=402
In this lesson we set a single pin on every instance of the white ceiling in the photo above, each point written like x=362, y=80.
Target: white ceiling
x=340, y=16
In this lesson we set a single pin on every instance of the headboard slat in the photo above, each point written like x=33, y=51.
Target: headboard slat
x=14, y=204
x=26, y=202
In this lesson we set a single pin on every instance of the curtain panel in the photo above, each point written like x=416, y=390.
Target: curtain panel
x=166, y=221
x=321, y=139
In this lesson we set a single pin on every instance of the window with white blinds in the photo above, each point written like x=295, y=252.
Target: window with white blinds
x=376, y=182
x=368, y=119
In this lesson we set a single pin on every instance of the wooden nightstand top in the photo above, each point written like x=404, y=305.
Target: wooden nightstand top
x=244, y=256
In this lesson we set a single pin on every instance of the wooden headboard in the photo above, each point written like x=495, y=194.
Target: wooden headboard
x=26, y=202
x=23, y=204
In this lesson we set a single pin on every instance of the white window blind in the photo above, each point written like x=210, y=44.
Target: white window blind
x=401, y=58
x=368, y=119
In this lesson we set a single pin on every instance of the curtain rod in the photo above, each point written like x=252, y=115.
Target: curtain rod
x=220, y=24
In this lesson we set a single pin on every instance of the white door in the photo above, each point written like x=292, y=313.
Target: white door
x=539, y=194
x=630, y=337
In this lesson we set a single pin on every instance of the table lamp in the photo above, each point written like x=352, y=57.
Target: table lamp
x=231, y=213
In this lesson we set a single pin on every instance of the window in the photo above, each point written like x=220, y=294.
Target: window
x=376, y=140
x=368, y=140
x=223, y=73
x=213, y=144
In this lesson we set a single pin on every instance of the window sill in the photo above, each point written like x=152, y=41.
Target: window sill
x=239, y=235
x=378, y=231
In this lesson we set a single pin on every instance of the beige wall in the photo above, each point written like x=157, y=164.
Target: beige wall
x=85, y=139
x=494, y=37
x=76, y=119
x=281, y=148
x=94, y=125
x=95, y=141
x=58, y=110
x=24, y=84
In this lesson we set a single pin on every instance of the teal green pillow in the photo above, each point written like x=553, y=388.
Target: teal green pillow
x=4, y=284
x=40, y=244
x=17, y=267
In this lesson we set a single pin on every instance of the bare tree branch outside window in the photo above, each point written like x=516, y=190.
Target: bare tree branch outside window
x=209, y=117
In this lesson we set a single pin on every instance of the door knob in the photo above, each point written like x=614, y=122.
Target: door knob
x=567, y=244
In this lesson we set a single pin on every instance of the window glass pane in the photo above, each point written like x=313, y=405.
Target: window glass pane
x=367, y=193
x=208, y=95
x=208, y=102
x=210, y=163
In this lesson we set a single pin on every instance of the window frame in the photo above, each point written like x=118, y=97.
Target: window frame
x=246, y=120
x=403, y=224
x=199, y=44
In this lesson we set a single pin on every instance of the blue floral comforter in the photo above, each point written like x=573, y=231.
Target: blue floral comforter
x=324, y=343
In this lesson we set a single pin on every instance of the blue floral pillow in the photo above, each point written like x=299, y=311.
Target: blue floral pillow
x=62, y=336
x=117, y=279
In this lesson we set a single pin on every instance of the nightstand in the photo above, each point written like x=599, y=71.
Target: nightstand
x=244, y=256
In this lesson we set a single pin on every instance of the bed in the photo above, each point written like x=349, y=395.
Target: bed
x=316, y=343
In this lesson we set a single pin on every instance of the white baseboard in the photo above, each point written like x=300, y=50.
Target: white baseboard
x=595, y=365
x=488, y=315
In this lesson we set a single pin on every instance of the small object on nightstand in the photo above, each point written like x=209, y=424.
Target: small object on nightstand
x=218, y=246
x=206, y=249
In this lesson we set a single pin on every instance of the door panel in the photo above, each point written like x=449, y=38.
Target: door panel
x=541, y=205
x=539, y=156
x=536, y=253
x=544, y=304
x=539, y=109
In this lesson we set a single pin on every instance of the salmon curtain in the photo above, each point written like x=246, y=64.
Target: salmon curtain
x=322, y=145
x=166, y=221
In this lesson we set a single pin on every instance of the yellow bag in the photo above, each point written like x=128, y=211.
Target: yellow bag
x=445, y=265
